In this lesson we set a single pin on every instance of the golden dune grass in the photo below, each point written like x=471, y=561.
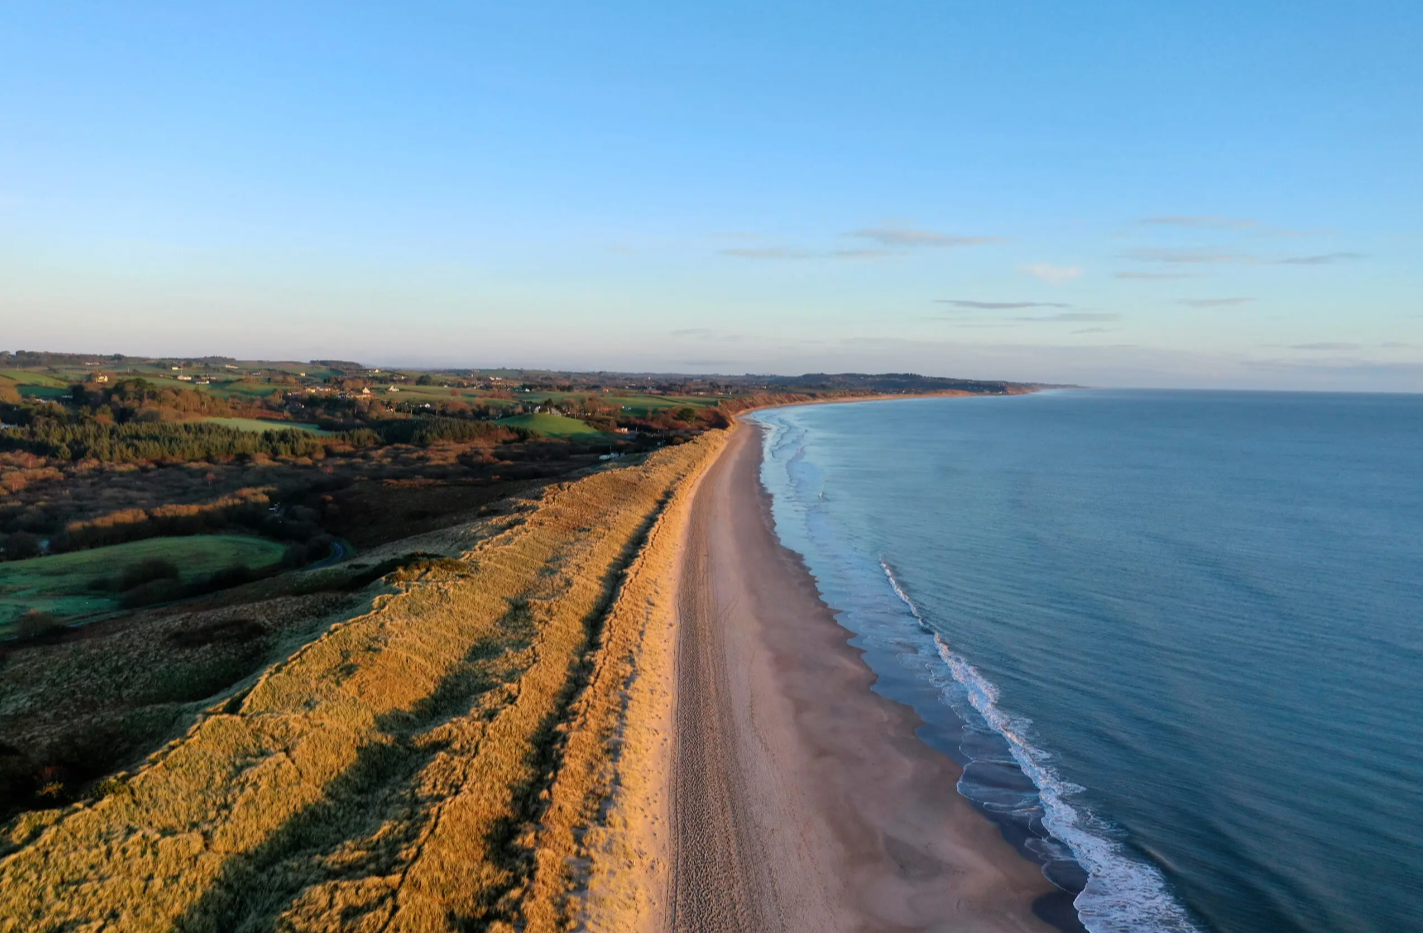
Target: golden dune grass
x=431, y=765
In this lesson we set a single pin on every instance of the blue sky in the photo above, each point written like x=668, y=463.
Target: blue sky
x=1202, y=194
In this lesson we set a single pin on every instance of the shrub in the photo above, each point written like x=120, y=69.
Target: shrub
x=112, y=786
x=154, y=591
x=236, y=575
x=148, y=570
x=37, y=624
x=20, y=546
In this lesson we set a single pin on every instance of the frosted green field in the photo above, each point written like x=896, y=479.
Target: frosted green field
x=64, y=584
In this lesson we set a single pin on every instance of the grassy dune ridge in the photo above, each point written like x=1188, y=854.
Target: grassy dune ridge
x=431, y=765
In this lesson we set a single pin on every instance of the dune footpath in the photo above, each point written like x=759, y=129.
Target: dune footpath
x=762, y=785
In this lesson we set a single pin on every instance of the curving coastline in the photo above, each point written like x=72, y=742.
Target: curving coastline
x=763, y=784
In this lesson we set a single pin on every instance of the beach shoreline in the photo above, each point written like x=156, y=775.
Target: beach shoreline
x=791, y=796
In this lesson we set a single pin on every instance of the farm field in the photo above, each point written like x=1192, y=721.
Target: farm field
x=64, y=584
x=258, y=425
x=550, y=424
x=244, y=389
x=27, y=377
x=647, y=404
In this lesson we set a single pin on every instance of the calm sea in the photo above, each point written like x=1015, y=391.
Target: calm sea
x=1175, y=637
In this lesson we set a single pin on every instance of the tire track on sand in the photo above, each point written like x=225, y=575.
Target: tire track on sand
x=719, y=878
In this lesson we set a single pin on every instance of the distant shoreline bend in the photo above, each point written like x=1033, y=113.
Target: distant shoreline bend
x=763, y=786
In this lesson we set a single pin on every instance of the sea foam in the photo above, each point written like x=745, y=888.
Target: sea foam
x=1123, y=894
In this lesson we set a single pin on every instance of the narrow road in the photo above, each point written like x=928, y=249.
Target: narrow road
x=339, y=550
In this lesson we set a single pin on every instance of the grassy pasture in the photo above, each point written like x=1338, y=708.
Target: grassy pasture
x=648, y=404
x=257, y=425
x=164, y=381
x=550, y=424
x=247, y=389
x=33, y=391
x=63, y=584
x=27, y=377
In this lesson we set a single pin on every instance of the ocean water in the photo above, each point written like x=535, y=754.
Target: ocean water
x=1176, y=638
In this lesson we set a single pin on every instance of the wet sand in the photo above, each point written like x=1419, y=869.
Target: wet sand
x=796, y=798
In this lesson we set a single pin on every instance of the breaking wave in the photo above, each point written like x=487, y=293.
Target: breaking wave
x=1122, y=894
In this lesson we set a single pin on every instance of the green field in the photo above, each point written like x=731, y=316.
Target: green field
x=647, y=404
x=27, y=377
x=549, y=424
x=257, y=424
x=44, y=391
x=247, y=389
x=63, y=584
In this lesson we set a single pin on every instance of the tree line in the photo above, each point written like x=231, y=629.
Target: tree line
x=154, y=442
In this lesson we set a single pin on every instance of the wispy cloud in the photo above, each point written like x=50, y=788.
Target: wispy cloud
x=1189, y=255
x=998, y=305
x=1328, y=345
x=914, y=237
x=1093, y=330
x=1074, y=316
x=890, y=241
x=781, y=252
x=769, y=252
x=1214, y=255
x=1209, y=221
x=1322, y=259
x=1152, y=276
x=859, y=254
x=1214, y=302
x=1053, y=274
x=1219, y=222
x=693, y=332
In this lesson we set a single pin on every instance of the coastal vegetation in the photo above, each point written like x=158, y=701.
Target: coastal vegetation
x=429, y=756
x=323, y=646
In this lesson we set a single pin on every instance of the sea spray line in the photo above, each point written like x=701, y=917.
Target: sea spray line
x=1123, y=895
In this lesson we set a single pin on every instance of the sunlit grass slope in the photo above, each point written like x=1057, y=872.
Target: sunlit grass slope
x=550, y=424
x=430, y=765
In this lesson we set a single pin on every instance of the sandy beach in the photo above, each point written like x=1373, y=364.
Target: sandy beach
x=784, y=793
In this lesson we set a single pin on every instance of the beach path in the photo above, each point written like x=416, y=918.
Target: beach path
x=799, y=800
